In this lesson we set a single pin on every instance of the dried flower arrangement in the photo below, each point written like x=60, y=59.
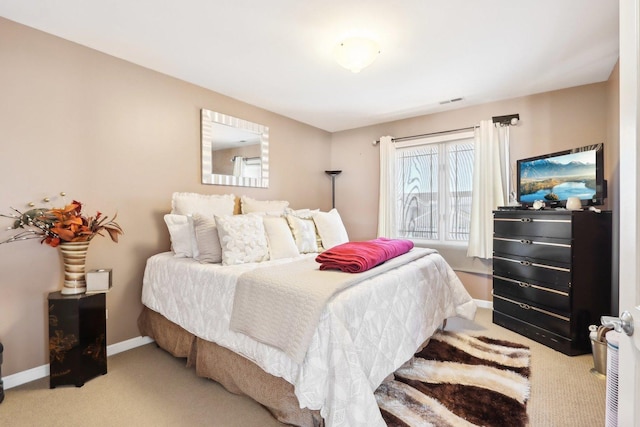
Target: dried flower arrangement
x=56, y=225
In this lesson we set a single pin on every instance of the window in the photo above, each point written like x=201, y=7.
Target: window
x=433, y=187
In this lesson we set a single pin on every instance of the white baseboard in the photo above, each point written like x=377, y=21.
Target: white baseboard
x=127, y=345
x=483, y=304
x=43, y=371
x=25, y=376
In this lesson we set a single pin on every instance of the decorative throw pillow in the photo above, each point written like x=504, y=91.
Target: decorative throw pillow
x=250, y=205
x=304, y=233
x=182, y=235
x=307, y=214
x=206, y=232
x=279, y=237
x=203, y=204
x=330, y=228
x=242, y=238
x=301, y=213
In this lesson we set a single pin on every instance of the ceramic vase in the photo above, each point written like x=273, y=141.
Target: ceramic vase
x=74, y=255
x=574, y=204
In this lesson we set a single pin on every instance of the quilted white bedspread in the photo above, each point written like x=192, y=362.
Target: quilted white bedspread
x=365, y=332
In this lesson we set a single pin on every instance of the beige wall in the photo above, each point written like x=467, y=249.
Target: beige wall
x=122, y=138
x=117, y=137
x=549, y=122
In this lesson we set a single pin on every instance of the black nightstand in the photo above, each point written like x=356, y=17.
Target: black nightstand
x=77, y=338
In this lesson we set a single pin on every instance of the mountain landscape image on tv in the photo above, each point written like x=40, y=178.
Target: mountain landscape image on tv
x=558, y=178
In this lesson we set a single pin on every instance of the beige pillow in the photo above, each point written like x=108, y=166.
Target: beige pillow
x=249, y=205
x=242, y=238
x=301, y=213
x=279, y=237
x=203, y=204
x=304, y=233
x=206, y=231
x=330, y=228
x=307, y=214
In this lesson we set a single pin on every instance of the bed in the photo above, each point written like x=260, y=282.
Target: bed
x=363, y=333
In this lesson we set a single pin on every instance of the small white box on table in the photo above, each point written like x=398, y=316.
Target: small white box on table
x=98, y=280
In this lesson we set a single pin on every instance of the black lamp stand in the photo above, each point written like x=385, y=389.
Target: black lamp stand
x=333, y=174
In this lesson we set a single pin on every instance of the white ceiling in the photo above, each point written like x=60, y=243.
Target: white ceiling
x=277, y=54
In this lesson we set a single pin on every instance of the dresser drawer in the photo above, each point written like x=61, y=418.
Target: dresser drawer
x=523, y=224
x=555, y=341
x=537, y=316
x=544, y=297
x=547, y=274
x=542, y=248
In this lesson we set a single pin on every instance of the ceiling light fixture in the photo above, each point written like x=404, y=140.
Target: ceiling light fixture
x=356, y=53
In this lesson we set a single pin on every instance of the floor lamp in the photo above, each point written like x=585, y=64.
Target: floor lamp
x=333, y=174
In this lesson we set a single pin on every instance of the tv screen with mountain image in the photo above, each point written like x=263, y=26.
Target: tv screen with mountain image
x=553, y=178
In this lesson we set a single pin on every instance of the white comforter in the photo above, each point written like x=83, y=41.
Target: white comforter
x=366, y=332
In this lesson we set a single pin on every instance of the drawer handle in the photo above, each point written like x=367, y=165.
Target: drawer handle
x=524, y=285
x=526, y=263
x=524, y=306
x=525, y=241
x=525, y=219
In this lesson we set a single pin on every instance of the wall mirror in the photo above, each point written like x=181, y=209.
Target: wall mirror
x=234, y=151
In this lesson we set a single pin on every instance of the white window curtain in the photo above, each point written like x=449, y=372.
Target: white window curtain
x=490, y=185
x=238, y=166
x=387, y=199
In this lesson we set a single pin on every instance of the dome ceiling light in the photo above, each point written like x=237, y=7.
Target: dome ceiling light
x=356, y=53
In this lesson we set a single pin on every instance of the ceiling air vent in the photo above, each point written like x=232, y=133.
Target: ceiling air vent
x=449, y=101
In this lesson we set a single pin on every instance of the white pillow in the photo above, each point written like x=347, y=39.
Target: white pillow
x=242, y=238
x=279, y=237
x=330, y=228
x=249, y=205
x=304, y=233
x=203, y=204
x=206, y=232
x=182, y=234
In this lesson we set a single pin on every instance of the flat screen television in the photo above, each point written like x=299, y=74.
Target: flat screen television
x=553, y=178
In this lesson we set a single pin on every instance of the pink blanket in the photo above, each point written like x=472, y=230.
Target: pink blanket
x=356, y=257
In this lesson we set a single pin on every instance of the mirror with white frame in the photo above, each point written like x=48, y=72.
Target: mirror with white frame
x=234, y=151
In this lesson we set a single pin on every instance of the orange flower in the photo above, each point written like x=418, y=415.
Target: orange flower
x=62, y=225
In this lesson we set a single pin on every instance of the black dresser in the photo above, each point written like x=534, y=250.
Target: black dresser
x=77, y=338
x=552, y=275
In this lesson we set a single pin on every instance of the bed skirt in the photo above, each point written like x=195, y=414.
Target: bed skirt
x=235, y=373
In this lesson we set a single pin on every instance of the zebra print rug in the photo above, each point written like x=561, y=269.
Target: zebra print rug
x=459, y=380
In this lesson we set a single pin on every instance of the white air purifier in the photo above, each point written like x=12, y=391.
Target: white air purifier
x=611, y=409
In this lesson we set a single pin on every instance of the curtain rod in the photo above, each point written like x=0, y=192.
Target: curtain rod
x=409, y=138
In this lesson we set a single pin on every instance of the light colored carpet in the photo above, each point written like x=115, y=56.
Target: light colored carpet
x=148, y=387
